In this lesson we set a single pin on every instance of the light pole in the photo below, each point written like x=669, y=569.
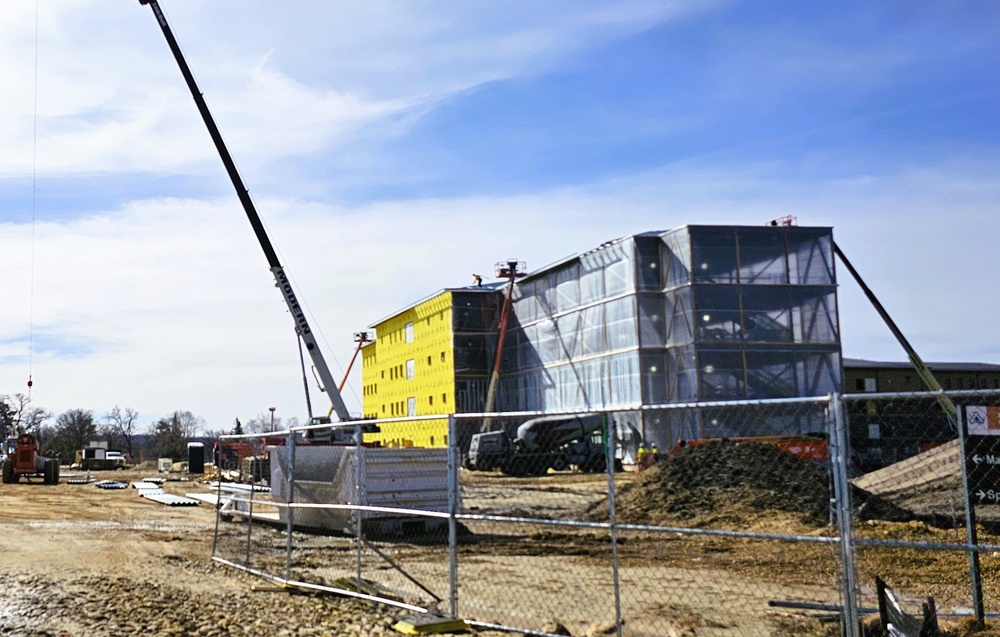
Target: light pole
x=271, y=409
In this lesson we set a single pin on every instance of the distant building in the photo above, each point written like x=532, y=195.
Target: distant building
x=888, y=430
x=875, y=376
x=696, y=313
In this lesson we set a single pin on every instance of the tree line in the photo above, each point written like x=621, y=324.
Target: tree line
x=64, y=434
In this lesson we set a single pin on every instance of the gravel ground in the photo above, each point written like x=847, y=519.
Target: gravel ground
x=113, y=606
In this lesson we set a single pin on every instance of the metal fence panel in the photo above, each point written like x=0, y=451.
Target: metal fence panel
x=761, y=518
x=907, y=458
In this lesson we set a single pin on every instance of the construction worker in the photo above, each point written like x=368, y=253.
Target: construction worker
x=654, y=454
x=641, y=457
x=478, y=279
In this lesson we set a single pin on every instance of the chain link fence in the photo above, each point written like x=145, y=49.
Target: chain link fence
x=751, y=518
x=907, y=456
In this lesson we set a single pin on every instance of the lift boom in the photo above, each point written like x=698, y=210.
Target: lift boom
x=329, y=385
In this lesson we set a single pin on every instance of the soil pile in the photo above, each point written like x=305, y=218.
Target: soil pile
x=736, y=484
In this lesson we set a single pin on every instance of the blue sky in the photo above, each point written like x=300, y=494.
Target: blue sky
x=395, y=148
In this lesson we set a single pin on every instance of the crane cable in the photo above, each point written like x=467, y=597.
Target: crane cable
x=34, y=190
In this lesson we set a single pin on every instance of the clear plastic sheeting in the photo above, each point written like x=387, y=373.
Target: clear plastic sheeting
x=696, y=313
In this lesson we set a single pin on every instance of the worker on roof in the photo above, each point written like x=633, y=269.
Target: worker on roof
x=478, y=279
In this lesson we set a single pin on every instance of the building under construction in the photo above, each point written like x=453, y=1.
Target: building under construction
x=695, y=313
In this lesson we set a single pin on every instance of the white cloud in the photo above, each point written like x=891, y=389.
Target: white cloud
x=177, y=302
x=168, y=304
x=280, y=83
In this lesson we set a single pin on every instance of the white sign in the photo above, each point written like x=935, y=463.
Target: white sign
x=990, y=495
x=979, y=422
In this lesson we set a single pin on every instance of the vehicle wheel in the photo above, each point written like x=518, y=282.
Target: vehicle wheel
x=560, y=463
x=48, y=471
x=514, y=467
x=595, y=465
x=8, y=473
x=55, y=474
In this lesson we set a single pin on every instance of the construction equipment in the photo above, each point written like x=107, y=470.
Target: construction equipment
x=540, y=444
x=327, y=382
x=925, y=374
x=807, y=448
x=22, y=457
x=385, y=471
x=360, y=338
x=511, y=270
x=97, y=457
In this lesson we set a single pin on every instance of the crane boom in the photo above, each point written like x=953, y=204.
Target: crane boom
x=301, y=324
x=924, y=372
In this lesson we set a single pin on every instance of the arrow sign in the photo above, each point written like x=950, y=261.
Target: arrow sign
x=982, y=464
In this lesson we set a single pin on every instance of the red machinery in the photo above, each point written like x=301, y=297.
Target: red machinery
x=22, y=457
x=808, y=448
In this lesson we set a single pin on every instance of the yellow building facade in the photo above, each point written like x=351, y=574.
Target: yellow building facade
x=408, y=370
x=430, y=359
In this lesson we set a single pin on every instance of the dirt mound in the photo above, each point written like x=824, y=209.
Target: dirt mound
x=729, y=483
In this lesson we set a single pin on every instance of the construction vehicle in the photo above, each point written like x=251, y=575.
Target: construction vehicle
x=385, y=471
x=22, y=457
x=810, y=448
x=97, y=457
x=540, y=444
x=305, y=333
x=511, y=270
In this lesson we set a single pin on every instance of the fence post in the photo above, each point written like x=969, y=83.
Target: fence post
x=289, y=511
x=453, y=494
x=609, y=462
x=971, y=536
x=217, y=461
x=253, y=484
x=358, y=501
x=839, y=459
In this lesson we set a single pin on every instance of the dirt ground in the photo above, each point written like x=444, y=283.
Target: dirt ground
x=81, y=560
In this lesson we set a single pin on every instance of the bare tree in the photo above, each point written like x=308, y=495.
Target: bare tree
x=33, y=417
x=73, y=430
x=22, y=416
x=189, y=424
x=17, y=415
x=122, y=423
x=261, y=423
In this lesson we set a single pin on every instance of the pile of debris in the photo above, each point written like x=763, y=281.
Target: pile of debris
x=720, y=482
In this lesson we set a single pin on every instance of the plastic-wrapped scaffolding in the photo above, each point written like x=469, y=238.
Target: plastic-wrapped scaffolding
x=696, y=313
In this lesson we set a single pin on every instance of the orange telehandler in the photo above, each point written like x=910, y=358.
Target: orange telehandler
x=22, y=457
